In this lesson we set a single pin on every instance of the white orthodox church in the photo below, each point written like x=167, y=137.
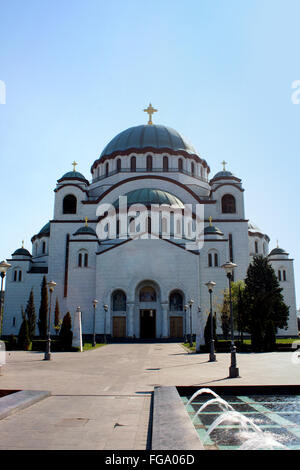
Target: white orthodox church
x=151, y=282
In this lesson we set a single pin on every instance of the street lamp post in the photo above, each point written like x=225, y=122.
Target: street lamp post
x=191, y=329
x=212, y=357
x=105, y=311
x=4, y=266
x=47, y=356
x=233, y=370
x=94, y=326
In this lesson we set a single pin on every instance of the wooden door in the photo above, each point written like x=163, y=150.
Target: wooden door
x=119, y=327
x=176, y=327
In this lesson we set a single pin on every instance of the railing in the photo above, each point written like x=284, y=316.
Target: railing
x=143, y=170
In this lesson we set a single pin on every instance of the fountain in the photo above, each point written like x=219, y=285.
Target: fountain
x=262, y=442
x=215, y=401
x=255, y=440
x=200, y=392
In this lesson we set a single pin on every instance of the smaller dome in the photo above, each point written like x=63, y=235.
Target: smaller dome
x=212, y=230
x=21, y=252
x=45, y=230
x=86, y=230
x=224, y=174
x=278, y=251
x=73, y=175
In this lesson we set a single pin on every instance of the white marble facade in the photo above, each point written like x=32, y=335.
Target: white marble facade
x=145, y=283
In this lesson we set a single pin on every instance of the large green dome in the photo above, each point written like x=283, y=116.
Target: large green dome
x=148, y=136
x=149, y=196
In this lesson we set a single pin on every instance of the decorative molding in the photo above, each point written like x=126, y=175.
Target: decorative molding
x=154, y=177
x=137, y=151
x=71, y=184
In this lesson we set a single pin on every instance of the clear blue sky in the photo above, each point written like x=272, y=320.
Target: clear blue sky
x=79, y=72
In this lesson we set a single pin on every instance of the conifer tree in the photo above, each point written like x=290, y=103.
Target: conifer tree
x=264, y=308
x=57, y=320
x=30, y=315
x=43, y=311
x=23, y=336
x=65, y=333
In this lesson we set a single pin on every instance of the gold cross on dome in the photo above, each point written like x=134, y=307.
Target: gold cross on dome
x=86, y=221
x=150, y=110
x=74, y=165
x=210, y=220
x=224, y=165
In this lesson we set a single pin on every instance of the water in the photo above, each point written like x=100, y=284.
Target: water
x=224, y=405
x=262, y=422
x=200, y=392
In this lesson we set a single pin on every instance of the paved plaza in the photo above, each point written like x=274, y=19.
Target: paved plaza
x=101, y=399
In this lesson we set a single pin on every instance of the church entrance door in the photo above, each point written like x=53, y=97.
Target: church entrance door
x=147, y=324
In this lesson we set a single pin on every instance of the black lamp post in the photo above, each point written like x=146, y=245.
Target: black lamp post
x=47, y=356
x=212, y=357
x=105, y=311
x=4, y=266
x=94, y=326
x=233, y=370
x=191, y=325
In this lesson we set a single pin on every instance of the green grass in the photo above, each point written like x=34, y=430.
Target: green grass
x=289, y=341
x=88, y=346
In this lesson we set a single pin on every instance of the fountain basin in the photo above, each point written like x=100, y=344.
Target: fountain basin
x=274, y=411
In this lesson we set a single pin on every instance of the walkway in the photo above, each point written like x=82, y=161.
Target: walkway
x=101, y=398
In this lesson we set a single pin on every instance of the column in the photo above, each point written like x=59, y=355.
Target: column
x=77, y=330
x=130, y=319
x=164, y=330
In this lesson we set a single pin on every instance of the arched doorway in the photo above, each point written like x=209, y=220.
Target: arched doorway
x=148, y=312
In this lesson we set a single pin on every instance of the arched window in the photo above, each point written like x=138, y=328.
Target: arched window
x=149, y=225
x=180, y=164
x=147, y=294
x=193, y=168
x=106, y=169
x=228, y=204
x=213, y=259
x=119, y=164
x=176, y=302
x=118, y=301
x=17, y=277
x=83, y=259
x=133, y=164
x=165, y=164
x=70, y=204
x=284, y=274
x=256, y=247
x=44, y=248
x=149, y=163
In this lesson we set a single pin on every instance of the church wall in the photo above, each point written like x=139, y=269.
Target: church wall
x=81, y=282
x=17, y=295
x=289, y=294
x=126, y=266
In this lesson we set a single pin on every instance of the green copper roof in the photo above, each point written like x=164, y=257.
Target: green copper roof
x=85, y=230
x=211, y=230
x=148, y=196
x=45, y=229
x=155, y=136
x=21, y=252
x=72, y=175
